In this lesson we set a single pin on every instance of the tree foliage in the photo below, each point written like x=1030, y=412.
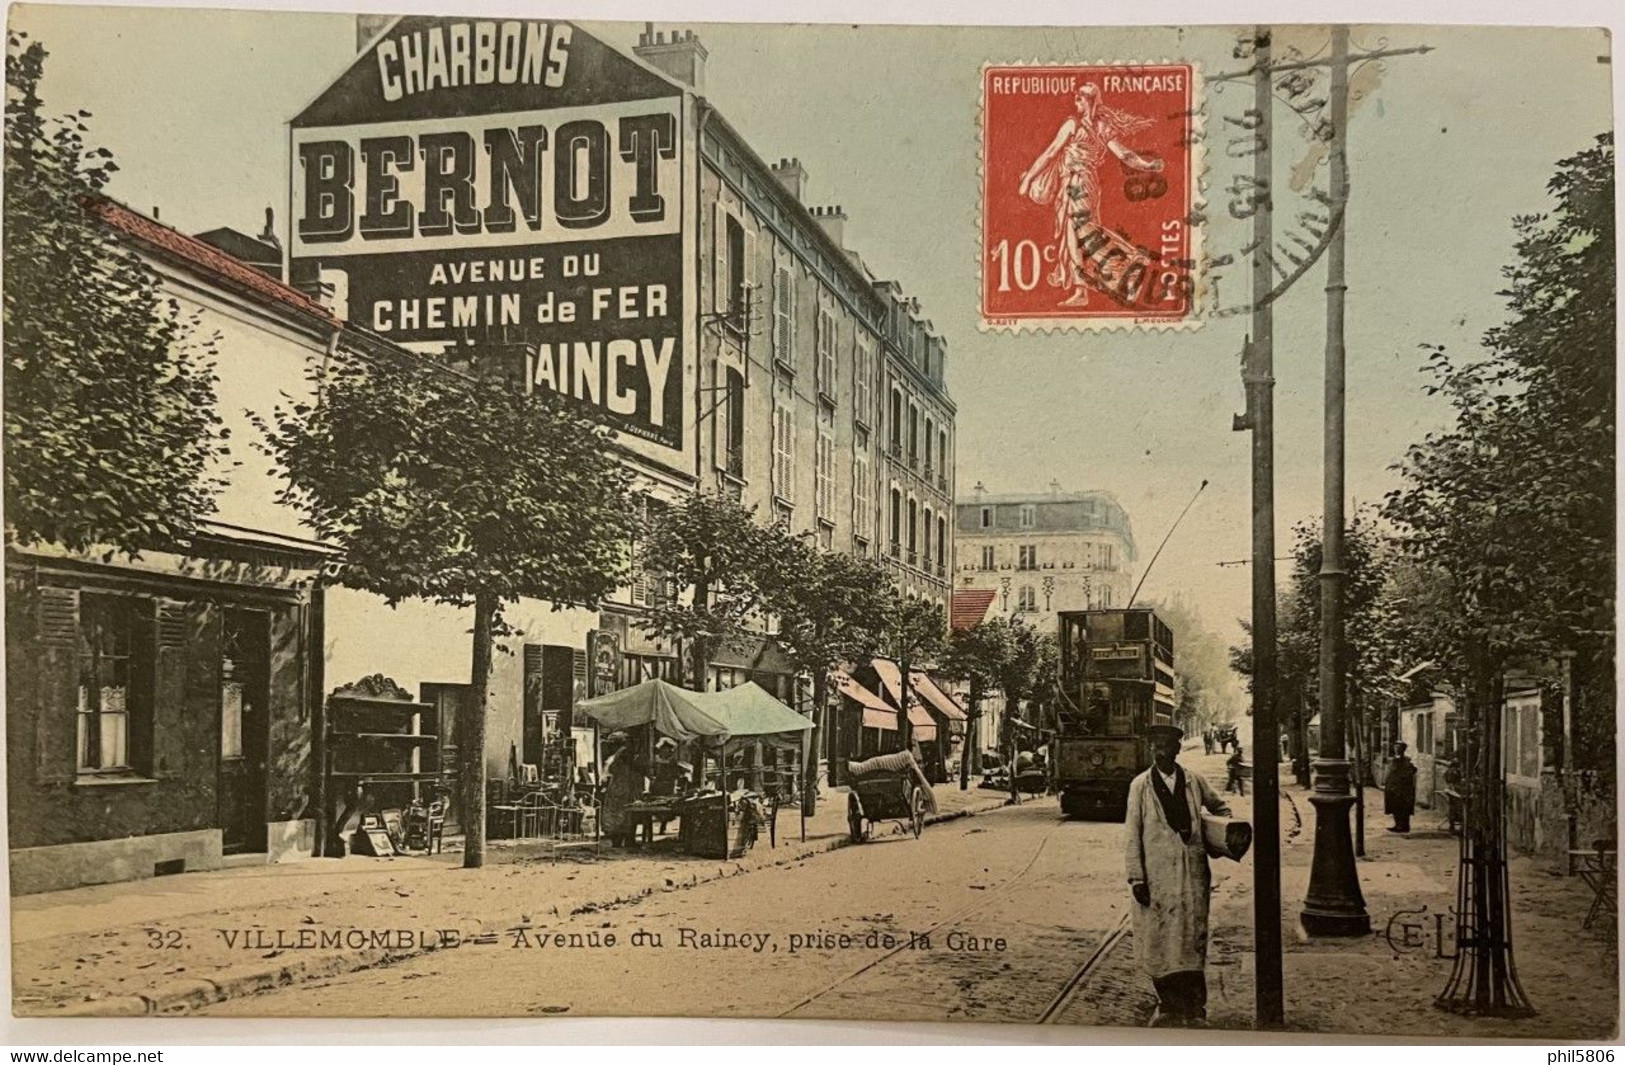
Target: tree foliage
x=459, y=490
x=442, y=486
x=1385, y=619
x=1513, y=507
x=111, y=432
x=722, y=565
x=832, y=608
x=1205, y=690
x=977, y=655
x=914, y=633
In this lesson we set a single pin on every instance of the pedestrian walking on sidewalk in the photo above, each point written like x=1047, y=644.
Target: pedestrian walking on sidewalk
x=1235, y=773
x=1399, y=790
x=1207, y=740
x=1168, y=875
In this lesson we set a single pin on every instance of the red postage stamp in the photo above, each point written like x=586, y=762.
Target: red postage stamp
x=1088, y=190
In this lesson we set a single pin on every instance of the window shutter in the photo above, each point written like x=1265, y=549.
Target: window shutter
x=530, y=740
x=59, y=617
x=721, y=432
x=55, y=710
x=141, y=701
x=719, y=246
x=784, y=316
x=169, y=706
x=789, y=452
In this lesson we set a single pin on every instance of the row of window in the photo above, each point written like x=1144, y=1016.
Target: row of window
x=1027, y=600
x=907, y=520
x=1026, y=514
x=1102, y=555
x=734, y=260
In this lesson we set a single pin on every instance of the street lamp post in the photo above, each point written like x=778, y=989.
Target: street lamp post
x=1334, y=905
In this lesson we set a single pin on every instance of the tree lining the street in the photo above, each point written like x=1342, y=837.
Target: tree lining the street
x=914, y=634
x=112, y=437
x=719, y=564
x=1512, y=508
x=456, y=489
x=1205, y=688
x=976, y=656
x=832, y=609
x=1383, y=616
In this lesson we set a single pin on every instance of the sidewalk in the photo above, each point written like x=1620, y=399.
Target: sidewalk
x=176, y=943
x=1385, y=983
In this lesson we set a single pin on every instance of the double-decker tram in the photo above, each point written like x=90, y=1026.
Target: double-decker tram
x=1117, y=673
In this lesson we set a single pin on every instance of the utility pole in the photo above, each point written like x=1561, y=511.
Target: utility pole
x=1334, y=904
x=1269, y=998
x=1258, y=375
x=1258, y=367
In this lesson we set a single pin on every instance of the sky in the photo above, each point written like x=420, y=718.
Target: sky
x=1444, y=150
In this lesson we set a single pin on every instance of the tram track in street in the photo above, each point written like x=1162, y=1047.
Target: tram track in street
x=997, y=894
x=1070, y=989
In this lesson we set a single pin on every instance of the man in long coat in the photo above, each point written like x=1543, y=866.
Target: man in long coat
x=1399, y=790
x=1166, y=861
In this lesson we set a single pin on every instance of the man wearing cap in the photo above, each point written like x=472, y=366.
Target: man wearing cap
x=1399, y=790
x=1166, y=861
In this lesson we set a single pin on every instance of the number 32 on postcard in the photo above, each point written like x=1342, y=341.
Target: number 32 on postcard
x=1088, y=196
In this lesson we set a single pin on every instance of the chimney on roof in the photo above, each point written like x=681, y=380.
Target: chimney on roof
x=368, y=27
x=834, y=220
x=1055, y=488
x=979, y=491
x=793, y=176
x=155, y=217
x=269, y=236
x=682, y=57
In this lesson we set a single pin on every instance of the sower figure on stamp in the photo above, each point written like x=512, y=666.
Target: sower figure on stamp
x=1168, y=875
x=1399, y=790
x=1065, y=174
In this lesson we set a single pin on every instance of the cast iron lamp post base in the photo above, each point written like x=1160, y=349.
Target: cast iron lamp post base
x=1334, y=904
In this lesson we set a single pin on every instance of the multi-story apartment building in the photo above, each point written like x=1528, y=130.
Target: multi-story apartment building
x=1045, y=552
x=825, y=402
x=646, y=260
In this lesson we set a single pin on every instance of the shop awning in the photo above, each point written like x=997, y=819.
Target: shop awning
x=882, y=719
x=673, y=711
x=891, y=679
x=925, y=729
x=748, y=710
x=939, y=700
x=848, y=686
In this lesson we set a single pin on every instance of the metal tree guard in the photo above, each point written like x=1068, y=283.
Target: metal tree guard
x=1484, y=978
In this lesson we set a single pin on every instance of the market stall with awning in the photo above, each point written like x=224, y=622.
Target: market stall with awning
x=672, y=711
x=745, y=722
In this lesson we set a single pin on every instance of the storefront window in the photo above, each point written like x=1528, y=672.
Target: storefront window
x=106, y=647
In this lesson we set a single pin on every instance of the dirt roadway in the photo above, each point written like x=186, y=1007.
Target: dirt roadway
x=1002, y=908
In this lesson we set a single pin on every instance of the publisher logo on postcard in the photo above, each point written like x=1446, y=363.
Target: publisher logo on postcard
x=1087, y=192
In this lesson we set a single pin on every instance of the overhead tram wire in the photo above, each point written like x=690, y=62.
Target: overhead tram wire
x=1170, y=533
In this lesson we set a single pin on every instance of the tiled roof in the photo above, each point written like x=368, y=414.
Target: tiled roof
x=969, y=607
x=206, y=259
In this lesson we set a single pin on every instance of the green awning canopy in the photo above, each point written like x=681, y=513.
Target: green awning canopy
x=673, y=711
x=749, y=710
x=745, y=711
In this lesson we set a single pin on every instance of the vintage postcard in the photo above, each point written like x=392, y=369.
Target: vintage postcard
x=516, y=517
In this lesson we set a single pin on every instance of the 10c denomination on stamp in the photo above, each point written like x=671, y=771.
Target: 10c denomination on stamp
x=1088, y=190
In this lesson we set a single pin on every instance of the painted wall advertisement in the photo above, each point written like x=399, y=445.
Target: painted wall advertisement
x=507, y=182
